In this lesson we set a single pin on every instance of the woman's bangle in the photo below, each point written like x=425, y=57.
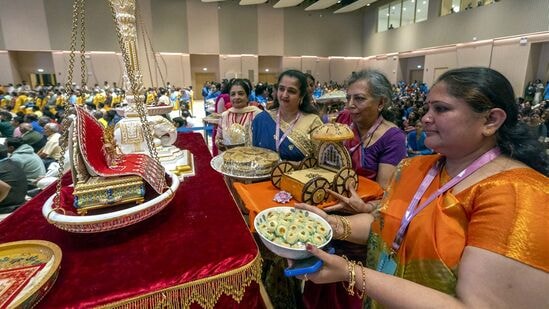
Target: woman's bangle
x=362, y=292
x=352, y=277
x=346, y=225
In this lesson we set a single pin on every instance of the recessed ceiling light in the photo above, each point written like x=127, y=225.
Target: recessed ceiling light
x=204, y=69
x=266, y=70
x=40, y=70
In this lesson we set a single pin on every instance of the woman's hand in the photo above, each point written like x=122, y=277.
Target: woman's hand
x=352, y=205
x=334, y=268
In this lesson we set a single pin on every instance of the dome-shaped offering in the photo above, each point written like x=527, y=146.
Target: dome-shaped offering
x=246, y=161
x=332, y=132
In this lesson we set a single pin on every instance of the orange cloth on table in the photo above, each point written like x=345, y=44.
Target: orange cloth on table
x=259, y=196
x=504, y=213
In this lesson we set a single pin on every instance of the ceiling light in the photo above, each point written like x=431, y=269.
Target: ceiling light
x=266, y=70
x=419, y=66
x=40, y=70
x=418, y=10
x=368, y=4
x=424, y=2
x=404, y=9
x=204, y=69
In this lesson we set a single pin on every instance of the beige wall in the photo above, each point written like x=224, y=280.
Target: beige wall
x=203, y=27
x=24, y=32
x=270, y=31
x=237, y=28
x=307, y=33
x=543, y=64
x=230, y=66
x=474, y=55
x=437, y=61
x=26, y=63
x=501, y=19
x=170, y=25
x=272, y=63
x=512, y=61
x=5, y=67
x=211, y=62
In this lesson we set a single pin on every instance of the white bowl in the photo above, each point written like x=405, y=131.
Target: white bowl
x=110, y=220
x=283, y=251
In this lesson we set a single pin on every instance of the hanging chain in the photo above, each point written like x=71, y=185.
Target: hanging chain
x=141, y=27
x=139, y=100
x=83, y=66
x=78, y=13
x=145, y=34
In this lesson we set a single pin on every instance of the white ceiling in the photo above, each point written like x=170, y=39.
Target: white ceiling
x=318, y=5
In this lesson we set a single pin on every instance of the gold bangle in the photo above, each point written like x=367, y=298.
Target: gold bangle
x=346, y=227
x=352, y=277
x=362, y=292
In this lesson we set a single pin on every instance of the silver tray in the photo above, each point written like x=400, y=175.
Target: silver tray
x=217, y=164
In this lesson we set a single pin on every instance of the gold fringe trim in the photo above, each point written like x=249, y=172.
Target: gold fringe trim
x=205, y=292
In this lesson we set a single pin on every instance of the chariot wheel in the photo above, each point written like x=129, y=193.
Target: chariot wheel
x=279, y=170
x=346, y=176
x=307, y=163
x=314, y=191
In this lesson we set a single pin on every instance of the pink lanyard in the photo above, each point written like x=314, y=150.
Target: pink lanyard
x=278, y=140
x=413, y=209
x=370, y=132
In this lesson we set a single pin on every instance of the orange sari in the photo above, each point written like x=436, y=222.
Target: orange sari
x=507, y=213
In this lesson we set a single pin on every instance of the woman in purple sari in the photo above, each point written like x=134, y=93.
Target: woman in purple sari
x=376, y=149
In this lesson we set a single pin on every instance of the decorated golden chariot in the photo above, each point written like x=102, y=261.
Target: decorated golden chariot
x=330, y=169
x=110, y=181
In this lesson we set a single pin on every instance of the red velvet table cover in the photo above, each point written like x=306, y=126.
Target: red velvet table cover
x=197, y=251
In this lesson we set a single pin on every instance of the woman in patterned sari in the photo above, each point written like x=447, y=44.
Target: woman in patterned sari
x=234, y=127
x=292, y=117
x=463, y=228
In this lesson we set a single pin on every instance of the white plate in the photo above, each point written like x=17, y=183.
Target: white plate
x=217, y=164
x=110, y=220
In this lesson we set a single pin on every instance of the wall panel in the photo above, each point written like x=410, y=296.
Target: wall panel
x=270, y=31
x=5, y=67
x=237, y=28
x=170, y=25
x=511, y=60
x=27, y=32
x=203, y=27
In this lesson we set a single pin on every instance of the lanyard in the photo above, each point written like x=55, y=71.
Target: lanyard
x=414, y=209
x=278, y=139
x=370, y=132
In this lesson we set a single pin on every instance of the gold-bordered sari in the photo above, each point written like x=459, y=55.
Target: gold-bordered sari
x=506, y=213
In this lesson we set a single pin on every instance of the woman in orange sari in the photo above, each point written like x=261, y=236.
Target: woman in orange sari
x=463, y=228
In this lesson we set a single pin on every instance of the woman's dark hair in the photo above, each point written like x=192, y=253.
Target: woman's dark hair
x=240, y=82
x=224, y=86
x=380, y=88
x=484, y=89
x=306, y=105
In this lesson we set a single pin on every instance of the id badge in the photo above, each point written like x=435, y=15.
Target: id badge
x=386, y=264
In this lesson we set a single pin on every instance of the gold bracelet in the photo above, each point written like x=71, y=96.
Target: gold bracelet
x=352, y=277
x=362, y=292
x=346, y=227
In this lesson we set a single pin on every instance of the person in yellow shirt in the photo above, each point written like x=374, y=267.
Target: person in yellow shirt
x=19, y=102
x=151, y=97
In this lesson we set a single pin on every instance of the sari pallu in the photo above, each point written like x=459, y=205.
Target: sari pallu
x=500, y=214
x=296, y=146
x=241, y=118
